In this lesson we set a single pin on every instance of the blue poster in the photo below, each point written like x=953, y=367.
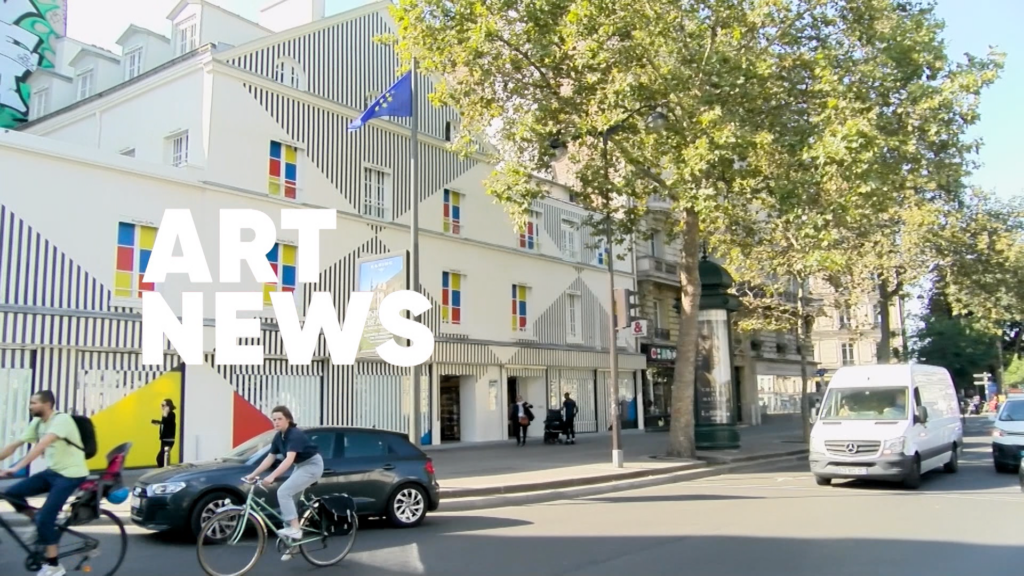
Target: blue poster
x=382, y=276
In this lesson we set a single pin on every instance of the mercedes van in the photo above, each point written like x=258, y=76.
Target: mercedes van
x=889, y=422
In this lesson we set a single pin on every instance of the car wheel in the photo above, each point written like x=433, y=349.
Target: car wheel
x=407, y=506
x=822, y=481
x=205, y=508
x=953, y=465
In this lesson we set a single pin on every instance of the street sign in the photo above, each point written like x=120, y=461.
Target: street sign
x=638, y=328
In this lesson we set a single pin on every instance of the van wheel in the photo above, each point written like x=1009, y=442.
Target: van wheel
x=913, y=477
x=953, y=466
x=822, y=481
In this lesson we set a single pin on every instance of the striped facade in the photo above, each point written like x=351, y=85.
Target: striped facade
x=58, y=319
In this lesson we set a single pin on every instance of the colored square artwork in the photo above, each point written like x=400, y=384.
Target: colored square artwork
x=134, y=248
x=283, y=170
x=452, y=212
x=519, y=308
x=528, y=238
x=283, y=259
x=451, y=298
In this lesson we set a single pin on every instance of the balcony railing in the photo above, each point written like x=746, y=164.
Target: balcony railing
x=653, y=268
x=655, y=202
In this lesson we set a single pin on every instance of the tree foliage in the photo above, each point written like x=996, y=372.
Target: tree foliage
x=959, y=345
x=781, y=126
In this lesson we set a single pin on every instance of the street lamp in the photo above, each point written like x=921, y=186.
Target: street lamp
x=655, y=122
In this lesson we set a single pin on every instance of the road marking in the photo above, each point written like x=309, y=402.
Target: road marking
x=403, y=559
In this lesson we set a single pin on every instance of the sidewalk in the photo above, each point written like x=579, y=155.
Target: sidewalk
x=493, y=474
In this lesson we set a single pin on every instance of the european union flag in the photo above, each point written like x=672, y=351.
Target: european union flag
x=396, y=103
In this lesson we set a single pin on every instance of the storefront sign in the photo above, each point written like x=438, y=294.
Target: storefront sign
x=662, y=353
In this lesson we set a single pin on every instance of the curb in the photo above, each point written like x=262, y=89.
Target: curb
x=539, y=497
x=461, y=493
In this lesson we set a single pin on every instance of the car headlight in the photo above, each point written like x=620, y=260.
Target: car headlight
x=165, y=489
x=893, y=445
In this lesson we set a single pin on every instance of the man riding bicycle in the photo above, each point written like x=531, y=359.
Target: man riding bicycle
x=55, y=434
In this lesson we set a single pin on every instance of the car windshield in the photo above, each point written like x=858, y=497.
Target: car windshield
x=1012, y=412
x=251, y=447
x=865, y=404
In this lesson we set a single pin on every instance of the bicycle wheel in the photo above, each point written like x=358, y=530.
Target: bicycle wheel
x=106, y=545
x=230, y=521
x=312, y=522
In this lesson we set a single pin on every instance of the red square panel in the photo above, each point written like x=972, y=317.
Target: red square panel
x=456, y=315
x=275, y=168
x=289, y=191
x=125, y=258
x=522, y=321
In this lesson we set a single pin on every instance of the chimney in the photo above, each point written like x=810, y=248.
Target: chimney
x=280, y=15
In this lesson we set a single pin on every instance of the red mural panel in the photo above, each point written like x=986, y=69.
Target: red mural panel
x=247, y=422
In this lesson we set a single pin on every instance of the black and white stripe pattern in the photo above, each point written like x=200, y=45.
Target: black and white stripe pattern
x=340, y=154
x=551, y=326
x=16, y=358
x=525, y=372
x=581, y=385
x=574, y=359
x=35, y=272
x=461, y=370
x=553, y=214
x=464, y=354
x=343, y=63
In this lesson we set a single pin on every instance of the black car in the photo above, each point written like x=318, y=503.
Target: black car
x=382, y=471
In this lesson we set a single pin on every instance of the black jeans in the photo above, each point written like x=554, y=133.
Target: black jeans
x=164, y=456
x=570, y=429
x=57, y=489
x=520, y=431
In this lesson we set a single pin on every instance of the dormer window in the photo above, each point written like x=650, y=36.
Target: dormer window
x=132, y=62
x=188, y=35
x=83, y=84
x=288, y=71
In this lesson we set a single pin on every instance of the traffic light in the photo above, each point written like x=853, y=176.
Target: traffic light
x=627, y=307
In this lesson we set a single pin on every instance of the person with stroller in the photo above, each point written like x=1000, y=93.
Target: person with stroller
x=569, y=405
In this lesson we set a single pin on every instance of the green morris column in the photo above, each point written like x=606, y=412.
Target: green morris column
x=714, y=403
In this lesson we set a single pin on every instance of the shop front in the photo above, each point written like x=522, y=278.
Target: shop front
x=657, y=386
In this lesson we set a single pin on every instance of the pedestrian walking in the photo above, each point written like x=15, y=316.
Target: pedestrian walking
x=520, y=414
x=570, y=411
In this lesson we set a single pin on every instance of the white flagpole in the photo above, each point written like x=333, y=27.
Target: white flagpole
x=414, y=234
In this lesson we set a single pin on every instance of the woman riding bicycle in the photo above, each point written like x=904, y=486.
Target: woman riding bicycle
x=296, y=448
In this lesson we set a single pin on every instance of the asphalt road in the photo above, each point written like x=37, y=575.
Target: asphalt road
x=775, y=522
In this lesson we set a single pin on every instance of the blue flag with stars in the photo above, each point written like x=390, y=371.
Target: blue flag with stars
x=396, y=103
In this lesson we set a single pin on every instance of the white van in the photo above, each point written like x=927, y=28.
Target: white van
x=887, y=422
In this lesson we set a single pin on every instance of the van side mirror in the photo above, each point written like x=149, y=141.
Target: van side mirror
x=922, y=415
x=814, y=416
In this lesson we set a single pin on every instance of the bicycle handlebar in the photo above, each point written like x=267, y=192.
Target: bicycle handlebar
x=258, y=482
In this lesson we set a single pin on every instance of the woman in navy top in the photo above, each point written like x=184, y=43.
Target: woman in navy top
x=296, y=448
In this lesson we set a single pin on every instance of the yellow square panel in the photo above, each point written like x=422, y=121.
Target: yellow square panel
x=123, y=281
x=288, y=254
x=289, y=154
x=267, y=289
x=147, y=237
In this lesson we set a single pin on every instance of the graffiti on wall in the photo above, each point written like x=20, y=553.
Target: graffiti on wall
x=27, y=31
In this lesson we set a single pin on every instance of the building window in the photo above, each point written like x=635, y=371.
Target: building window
x=528, y=236
x=38, y=102
x=282, y=258
x=132, y=62
x=83, y=83
x=573, y=329
x=656, y=319
x=283, y=170
x=188, y=38
x=844, y=319
x=570, y=240
x=847, y=350
x=453, y=212
x=519, y=297
x=877, y=309
x=376, y=193
x=288, y=72
x=602, y=254
x=179, y=149
x=134, y=247
x=451, y=298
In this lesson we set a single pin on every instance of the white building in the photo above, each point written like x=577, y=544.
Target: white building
x=263, y=125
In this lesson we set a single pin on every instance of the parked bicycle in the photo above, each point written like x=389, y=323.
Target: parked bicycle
x=321, y=519
x=84, y=508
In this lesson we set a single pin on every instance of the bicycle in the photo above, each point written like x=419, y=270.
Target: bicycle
x=83, y=508
x=315, y=520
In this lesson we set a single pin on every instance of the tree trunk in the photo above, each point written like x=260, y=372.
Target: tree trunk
x=801, y=330
x=999, y=365
x=681, y=442
x=885, y=323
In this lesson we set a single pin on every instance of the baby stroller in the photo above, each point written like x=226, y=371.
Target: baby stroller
x=554, y=427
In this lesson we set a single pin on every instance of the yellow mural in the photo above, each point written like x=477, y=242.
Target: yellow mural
x=134, y=419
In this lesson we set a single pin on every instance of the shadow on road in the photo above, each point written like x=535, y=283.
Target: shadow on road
x=667, y=498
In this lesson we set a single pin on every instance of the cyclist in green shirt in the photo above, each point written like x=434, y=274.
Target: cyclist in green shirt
x=54, y=434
